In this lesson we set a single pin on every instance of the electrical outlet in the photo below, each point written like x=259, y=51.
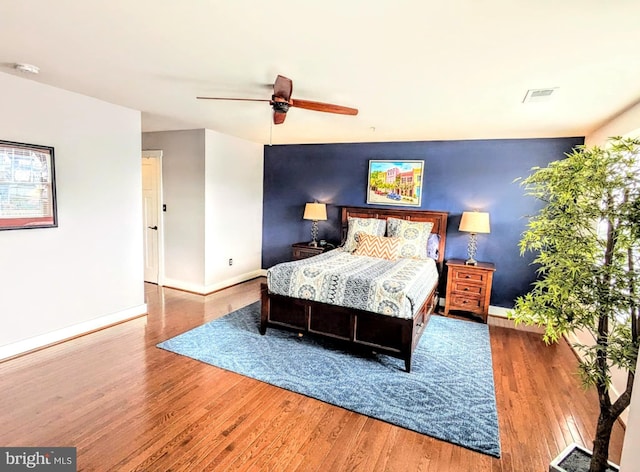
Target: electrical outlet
x=230, y=262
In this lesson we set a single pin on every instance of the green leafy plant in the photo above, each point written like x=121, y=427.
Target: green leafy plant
x=586, y=238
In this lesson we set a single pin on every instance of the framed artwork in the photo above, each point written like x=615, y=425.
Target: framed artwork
x=27, y=186
x=395, y=183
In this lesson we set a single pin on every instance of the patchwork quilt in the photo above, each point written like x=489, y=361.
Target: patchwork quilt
x=394, y=288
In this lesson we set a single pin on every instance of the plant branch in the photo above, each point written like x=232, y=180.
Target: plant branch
x=588, y=280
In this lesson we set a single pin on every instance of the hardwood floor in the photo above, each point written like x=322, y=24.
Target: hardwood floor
x=127, y=405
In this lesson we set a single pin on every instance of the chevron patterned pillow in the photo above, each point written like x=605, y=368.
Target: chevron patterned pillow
x=377, y=246
x=358, y=226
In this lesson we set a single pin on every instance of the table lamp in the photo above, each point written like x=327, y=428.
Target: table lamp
x=473, y=222
x=315, y=212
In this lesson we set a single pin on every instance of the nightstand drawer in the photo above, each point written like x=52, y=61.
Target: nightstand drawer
x=469, y=276
x=463, y=302
x=468, y=288
x=302, y=253
x=303, y=250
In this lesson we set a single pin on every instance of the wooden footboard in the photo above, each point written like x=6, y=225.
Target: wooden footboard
x=362, y=329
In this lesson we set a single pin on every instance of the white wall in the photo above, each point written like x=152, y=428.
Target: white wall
x=234, y=170
x=183, y=171
x=630, y=451
x=212, y=186
x=625, y=124
x=86, y=273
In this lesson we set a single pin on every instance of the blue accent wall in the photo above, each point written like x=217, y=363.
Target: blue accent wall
x=458, y=176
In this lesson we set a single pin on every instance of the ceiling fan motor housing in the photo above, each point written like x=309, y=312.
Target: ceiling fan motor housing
x=279, y=105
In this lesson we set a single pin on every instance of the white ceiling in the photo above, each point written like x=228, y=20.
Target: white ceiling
x=416, y=69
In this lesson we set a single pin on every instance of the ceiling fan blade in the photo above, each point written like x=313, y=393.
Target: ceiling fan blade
x=325, y=107
x=278, y=117
x=283, y=87
x=240, y=99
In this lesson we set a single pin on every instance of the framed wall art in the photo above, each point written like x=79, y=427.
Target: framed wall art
x=395, y=183
x=27, y=186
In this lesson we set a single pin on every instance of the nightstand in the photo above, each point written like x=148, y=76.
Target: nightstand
x=469, y=287
x=303, y=250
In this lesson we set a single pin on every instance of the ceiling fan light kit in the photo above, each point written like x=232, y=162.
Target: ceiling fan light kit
x=281, y=101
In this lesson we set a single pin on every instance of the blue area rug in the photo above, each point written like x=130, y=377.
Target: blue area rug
x=448, y=395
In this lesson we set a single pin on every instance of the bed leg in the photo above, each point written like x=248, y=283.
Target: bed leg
x=264, y=309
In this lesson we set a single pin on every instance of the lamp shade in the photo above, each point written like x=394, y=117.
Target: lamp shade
x=315, y=211
x=474, y=222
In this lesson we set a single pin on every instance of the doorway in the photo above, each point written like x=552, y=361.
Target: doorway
x=152, y=216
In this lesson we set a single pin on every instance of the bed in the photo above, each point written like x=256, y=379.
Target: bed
x=370, y=325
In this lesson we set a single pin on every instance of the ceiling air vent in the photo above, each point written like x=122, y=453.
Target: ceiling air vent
x=538, y=95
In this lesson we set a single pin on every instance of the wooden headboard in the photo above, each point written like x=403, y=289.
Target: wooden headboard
x=438, y=218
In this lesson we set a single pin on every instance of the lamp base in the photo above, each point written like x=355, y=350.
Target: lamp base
x=471, y=250
x=314, y=234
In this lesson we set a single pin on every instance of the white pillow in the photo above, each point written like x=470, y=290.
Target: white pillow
x=372, y=226
x=414, y=237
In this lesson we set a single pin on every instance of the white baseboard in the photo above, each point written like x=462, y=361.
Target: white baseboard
x=207, y=289
x=498, y=311
x=64, y=334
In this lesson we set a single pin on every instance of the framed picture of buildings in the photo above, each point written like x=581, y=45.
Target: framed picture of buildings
x=27, y=186
x=395, y=183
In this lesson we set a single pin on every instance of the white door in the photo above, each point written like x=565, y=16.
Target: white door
x=151, y=215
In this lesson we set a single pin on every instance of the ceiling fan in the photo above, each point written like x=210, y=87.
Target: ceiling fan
x=281, y=101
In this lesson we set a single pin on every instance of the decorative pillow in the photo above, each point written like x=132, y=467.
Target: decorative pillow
x=357, y=226
x=433, y=246
x=414, y=236
x=377, y=246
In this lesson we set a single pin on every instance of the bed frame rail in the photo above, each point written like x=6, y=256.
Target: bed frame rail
x=359, y=329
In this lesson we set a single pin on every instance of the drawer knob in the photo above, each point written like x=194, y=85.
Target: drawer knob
x=467, y=276
x=466, y=289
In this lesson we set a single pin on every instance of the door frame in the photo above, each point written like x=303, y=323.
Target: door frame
x=157, y=154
